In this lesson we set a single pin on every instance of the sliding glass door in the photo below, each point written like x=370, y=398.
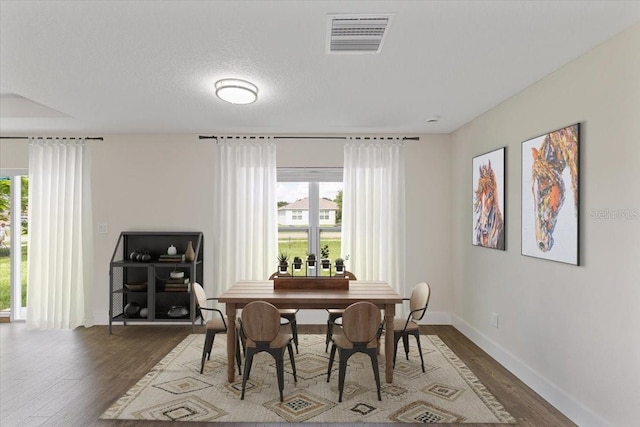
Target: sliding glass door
x=14, y=196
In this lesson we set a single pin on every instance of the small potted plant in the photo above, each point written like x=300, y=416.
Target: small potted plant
x=283, y=263
x=297, y=263
x=311, y=260
x=339, y=263
x=324, y=255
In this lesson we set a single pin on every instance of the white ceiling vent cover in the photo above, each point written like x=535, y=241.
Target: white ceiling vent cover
x=356, y=33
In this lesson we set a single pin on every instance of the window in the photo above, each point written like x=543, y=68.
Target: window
x=309, y=211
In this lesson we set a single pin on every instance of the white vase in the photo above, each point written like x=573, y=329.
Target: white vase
x=172, y=250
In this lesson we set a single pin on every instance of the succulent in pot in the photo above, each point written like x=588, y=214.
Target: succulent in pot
x=283, y=262
x=297, y=263
x=339, y=263
x=311, y=260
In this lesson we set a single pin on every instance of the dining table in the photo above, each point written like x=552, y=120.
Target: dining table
x=243, y=292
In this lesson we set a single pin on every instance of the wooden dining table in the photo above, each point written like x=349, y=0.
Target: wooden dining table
x=376, y=292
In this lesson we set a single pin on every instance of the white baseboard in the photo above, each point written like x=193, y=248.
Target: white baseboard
x=561, y=400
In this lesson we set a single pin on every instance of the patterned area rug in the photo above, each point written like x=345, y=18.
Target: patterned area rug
x=174, y=390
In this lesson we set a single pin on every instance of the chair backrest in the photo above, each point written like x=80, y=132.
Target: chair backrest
x=260, y=321
x=201, y=297
x=350, y=275
x=278, y=274
x=361, y=322
x=419, y=299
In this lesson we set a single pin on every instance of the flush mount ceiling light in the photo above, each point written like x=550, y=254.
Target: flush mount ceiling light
x=236, y=91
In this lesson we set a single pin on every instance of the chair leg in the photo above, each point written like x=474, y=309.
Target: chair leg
x=376, y=371
x=293, y=362
x=417, y=335
x=331, y=358
x=294, y=333
x=213, y=338
x=247, y=369
x=328, y=337
x=280, y=373
x=342, y=370
x=238, y=354
x=206, y=349
x=405, y=342
x=396, y=338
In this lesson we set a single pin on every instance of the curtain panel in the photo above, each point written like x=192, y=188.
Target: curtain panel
x=60, y=251
x=373, y=210
x=245, y=216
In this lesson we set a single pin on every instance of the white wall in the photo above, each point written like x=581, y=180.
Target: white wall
x=150, y=182
x=14, y=154
x=572, y=333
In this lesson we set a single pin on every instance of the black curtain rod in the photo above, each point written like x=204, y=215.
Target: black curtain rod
x=98, y=138
x=404, y=138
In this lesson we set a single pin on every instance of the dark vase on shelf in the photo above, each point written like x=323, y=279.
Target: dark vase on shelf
x=189, y=254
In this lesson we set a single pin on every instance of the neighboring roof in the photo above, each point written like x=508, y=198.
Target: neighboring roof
x=303, y=204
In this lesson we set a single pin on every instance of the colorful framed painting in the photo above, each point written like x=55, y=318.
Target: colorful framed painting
x=489, y=200
x=550, y=196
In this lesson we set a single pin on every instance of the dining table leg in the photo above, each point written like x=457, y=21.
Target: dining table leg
x=231, y=342
x=389, y=314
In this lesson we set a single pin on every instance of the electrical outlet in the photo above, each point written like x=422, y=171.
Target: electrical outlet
x=494, y=320
x=102, y=228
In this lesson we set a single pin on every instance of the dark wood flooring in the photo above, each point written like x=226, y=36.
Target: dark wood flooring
x=69, y=378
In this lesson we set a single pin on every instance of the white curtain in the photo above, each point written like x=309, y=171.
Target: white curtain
x=246, y=223
x=60, y=255
x=373, y=210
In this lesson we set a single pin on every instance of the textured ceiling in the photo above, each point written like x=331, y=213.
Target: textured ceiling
x=100, y=68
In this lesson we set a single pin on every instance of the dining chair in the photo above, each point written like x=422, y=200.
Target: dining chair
x=335, y=314
x=402, y=328
x=213, y=325
x=261, y=328
x=289, y=314
x=360, y=332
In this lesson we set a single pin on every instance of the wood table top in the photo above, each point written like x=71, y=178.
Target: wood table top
x=377, y=292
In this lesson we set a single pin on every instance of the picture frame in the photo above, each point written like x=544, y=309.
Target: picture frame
x=550, y=195
x=489, y=200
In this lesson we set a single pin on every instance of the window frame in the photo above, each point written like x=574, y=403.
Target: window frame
x=313, y=176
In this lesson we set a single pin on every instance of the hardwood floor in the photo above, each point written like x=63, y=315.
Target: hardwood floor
x=69, y=378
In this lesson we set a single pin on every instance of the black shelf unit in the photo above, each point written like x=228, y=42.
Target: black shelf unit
x=154, y=274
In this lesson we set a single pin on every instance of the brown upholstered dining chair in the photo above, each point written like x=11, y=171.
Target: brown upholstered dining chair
x=360, y=332
x=261, y=329
x=402, y=328
x=335, y=314
x=289, y=314
x=213, y=325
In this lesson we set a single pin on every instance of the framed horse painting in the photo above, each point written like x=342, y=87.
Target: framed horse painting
x=488, y=200
x=550, y=202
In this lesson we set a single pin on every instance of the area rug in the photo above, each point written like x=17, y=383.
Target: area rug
x=174, y=390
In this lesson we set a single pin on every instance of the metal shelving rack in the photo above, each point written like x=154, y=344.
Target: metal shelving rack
x=155, y=273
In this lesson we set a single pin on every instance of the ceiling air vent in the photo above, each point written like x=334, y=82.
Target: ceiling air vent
x=356, y=33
